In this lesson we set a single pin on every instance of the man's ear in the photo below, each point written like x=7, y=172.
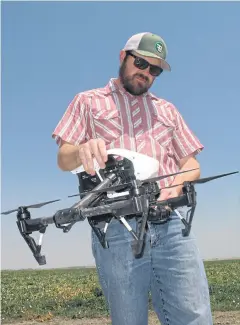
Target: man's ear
x=122, y=56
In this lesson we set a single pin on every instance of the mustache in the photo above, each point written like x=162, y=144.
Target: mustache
x=139, y=75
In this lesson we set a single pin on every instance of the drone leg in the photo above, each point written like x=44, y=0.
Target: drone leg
x=186, y=223
x=137, y=245
x=35, y=249
x=182, y=219
x=99, y=233
x=187, y=229
x=42, y=232
x=40, y=240
x=129, y=228
x=105, y=228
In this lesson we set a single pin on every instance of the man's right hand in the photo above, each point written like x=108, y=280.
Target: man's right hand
x=72, y=156
x=94, y=148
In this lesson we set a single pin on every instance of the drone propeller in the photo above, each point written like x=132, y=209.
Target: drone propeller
x=158, y=178
x=37, y=205
x=178, y=199
x=121, y=186
x=211, y=178
x=204, y=180
x=73, y=195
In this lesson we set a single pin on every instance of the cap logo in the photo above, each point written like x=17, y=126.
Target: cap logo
x=159, y=47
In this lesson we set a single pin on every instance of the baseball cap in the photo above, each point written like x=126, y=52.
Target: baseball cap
x=150, y=45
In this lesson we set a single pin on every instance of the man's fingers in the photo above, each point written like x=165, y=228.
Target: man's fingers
x=96, y=153
x=83, y=158
x=87, y=160
x=168, y=208
x=94, y=148
x=103, y=150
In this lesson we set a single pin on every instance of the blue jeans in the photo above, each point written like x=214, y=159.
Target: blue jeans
x=171, y=269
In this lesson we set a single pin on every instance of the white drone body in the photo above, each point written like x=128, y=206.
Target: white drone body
x=144, y=166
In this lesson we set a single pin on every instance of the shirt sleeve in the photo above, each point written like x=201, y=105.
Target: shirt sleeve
x=185, y=142
x=72, y=125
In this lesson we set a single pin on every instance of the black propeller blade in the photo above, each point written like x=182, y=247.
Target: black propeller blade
x=198, y=181
x=211, y=178
x=74, y=195
x=121, y=186
x=178, y=199
x=204, y=180
x=158, y=178
x=37, y=205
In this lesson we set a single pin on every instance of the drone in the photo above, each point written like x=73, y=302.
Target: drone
x=128, y=187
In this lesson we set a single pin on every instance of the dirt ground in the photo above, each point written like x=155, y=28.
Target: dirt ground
x=220, y=318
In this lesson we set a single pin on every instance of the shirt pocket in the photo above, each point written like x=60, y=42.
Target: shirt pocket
x=162, y=132
x=107, y=124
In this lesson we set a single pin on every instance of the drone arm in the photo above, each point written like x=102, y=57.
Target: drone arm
x=175, y=202
x=27, y=226
x=90, y=197
x=37, y=224
x=119, y=208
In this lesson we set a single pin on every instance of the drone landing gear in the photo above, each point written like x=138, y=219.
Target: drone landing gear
x=190, y=193
x=158, y=215
x=101, y=235
x=23, y=215
x=138, y=236
x=129, y=228
x=187, y=224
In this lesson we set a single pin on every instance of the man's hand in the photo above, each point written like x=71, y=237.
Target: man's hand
x=94, y=148
x=72, y=156
x=186, y=163
x=168, y=193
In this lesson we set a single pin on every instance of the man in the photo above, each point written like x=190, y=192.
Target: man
x=124, y=114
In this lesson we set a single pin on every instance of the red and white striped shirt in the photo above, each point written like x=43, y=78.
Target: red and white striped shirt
x=144, y=124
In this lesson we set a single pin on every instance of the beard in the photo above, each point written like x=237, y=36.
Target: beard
x=136, y=84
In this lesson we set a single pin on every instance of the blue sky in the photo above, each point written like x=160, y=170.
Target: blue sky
x=53, y=50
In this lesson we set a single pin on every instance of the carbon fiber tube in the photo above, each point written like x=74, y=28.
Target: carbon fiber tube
x=69, y=214
x=38, y=222
x=92, y=196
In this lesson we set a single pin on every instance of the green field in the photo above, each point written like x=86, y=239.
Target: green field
x=75, y=292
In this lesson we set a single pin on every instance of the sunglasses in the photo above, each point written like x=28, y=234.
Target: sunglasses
x=142, y=64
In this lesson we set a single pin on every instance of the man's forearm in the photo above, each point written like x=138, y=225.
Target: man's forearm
x=191, y=163
x=68, y=157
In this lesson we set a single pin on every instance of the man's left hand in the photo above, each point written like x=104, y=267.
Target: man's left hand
x=186, y=163
x=168, y=193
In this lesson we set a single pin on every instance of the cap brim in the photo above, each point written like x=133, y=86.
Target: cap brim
x=164, y=64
